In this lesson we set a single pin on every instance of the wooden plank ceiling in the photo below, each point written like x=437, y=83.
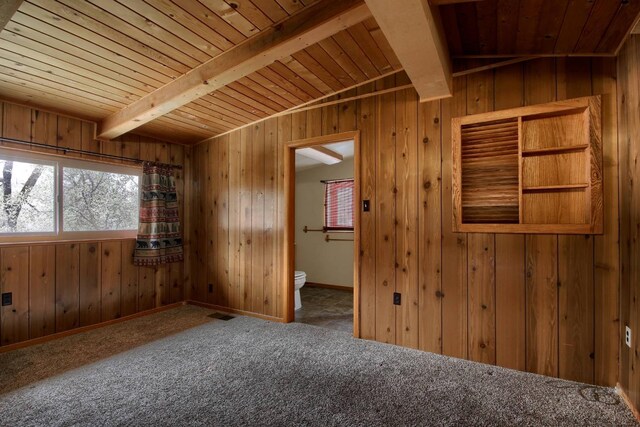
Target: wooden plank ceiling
x=538, y=27
x=92, y=58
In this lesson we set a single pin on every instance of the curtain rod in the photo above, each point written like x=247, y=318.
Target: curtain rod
x=79, y=151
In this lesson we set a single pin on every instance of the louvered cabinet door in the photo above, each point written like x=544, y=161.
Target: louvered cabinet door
x=529, y=170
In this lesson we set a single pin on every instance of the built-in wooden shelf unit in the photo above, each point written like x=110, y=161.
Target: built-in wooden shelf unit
x=534, y=169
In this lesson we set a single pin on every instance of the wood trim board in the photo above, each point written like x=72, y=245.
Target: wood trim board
x=288, y=264
x=329, y=286
x=235, y=311
x=79, y=330
x=627, y=401
x=82, y=329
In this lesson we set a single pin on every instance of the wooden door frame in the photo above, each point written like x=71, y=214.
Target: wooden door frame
x=288, y=265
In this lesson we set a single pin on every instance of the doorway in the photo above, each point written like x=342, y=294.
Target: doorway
x=318, y=145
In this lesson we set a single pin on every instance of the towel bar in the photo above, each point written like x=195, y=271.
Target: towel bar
x=330, y=239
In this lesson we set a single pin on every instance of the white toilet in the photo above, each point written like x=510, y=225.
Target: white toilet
x=299, y=278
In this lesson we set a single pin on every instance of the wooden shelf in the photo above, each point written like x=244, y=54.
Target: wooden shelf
x=548, y=188
x=532, y=169
x=554, y=150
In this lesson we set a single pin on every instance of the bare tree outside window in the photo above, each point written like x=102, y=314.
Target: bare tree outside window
x=93, y=197
x=28, y=197
x=97, y=201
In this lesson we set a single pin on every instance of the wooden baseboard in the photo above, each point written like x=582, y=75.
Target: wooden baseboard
x=627, y=401
x=236, y=311
x=327, y=286
x=81, y=329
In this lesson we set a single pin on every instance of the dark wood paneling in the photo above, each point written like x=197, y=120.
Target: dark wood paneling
x=607, y=246
x=256, y=276
x=429, y=227
x=406, y=179
x=367, y=120
x=385, y=218
x=67, y=287
x=89, y=265
x=42, y=291
x=111, y=280
x=575, y=260
x=211, y=219
x=492, y=298
x=129, y=286
x=454, y=245
x=629, y=150
x=14, y=268
x=175, y=271
x=510, y=250
x=503, y=27
x=481, y=250
x=270, y=221
x=541, y=265
x=58, y=287
x=222, y=196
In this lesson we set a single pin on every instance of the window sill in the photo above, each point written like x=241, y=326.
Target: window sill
x=4, y=242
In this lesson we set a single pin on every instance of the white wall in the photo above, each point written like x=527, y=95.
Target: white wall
x=324, y=262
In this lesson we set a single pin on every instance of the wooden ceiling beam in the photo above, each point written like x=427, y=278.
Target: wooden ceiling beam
x=311, y=25
x=312, y=104
x=414, y=31
x=8, y=9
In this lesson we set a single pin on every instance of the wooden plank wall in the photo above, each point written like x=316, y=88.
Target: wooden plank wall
x=62, y=286
x=629, y=145
x=543, y=303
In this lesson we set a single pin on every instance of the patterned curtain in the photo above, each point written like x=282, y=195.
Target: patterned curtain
x=159, y=239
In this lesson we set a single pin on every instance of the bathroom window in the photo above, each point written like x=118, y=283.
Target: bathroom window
x=338, y=205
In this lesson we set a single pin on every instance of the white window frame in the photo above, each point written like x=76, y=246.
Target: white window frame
x=59, y=163
x=34, y=235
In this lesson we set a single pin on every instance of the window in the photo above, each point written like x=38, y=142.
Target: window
x=338, y=205
x=89, y=200
x=57, y=198
x=28, y=196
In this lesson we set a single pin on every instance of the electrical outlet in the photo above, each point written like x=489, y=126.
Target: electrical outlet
x=7, y=298
x=396, y=298
x=627, y=336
